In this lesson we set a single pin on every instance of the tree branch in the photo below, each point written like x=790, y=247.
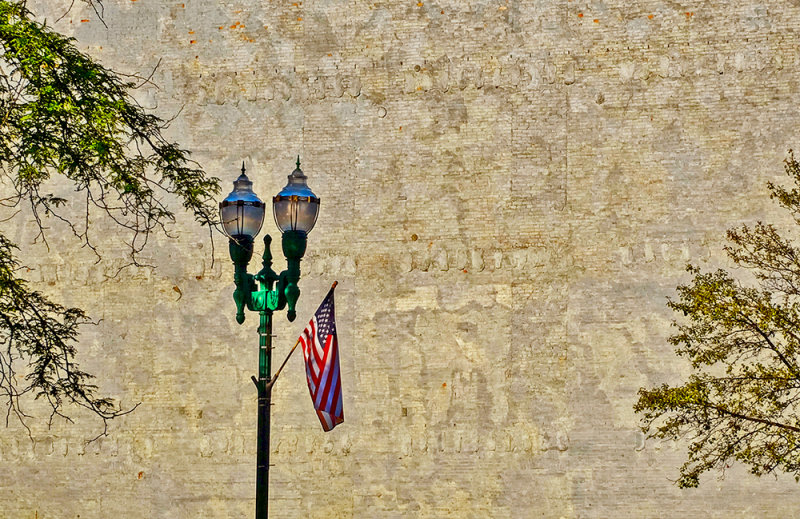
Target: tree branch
x=754, y=419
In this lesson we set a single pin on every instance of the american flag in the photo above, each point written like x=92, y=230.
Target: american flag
x=321, y=352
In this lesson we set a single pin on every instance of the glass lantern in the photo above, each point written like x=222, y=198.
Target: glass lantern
x=296, y=207
x=242, y=212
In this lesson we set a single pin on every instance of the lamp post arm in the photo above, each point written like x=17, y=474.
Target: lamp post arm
x=294, y=247
x=245, y=286
x=290, y=291
x=241, y=251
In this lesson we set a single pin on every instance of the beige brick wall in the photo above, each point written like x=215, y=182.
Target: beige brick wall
x=510, y=190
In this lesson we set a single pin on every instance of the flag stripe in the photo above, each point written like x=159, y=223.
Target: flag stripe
x=322, y=390
x=333, y=386
x=324, y=382
x=313, y=334
x=333, y=403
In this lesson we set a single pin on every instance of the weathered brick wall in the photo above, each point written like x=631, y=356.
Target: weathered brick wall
x=509, y=192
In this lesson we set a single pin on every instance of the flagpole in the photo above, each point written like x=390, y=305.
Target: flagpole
x=275, y=376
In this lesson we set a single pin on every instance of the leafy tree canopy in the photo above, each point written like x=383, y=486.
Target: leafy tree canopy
x=64, y=114
x=743, y=343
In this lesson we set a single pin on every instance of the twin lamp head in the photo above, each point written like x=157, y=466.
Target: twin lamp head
x=295, y=208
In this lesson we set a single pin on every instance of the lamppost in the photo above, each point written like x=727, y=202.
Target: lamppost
x=242, y=213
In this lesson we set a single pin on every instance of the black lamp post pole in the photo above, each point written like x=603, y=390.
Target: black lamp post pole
x=264, y=402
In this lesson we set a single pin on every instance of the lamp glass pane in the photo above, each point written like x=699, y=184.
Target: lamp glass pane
x=230, y=220
x=284, y=217
x=252, y=217
x=306, y=215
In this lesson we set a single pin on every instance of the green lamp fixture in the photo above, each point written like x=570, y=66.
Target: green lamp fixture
x=295, y=209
